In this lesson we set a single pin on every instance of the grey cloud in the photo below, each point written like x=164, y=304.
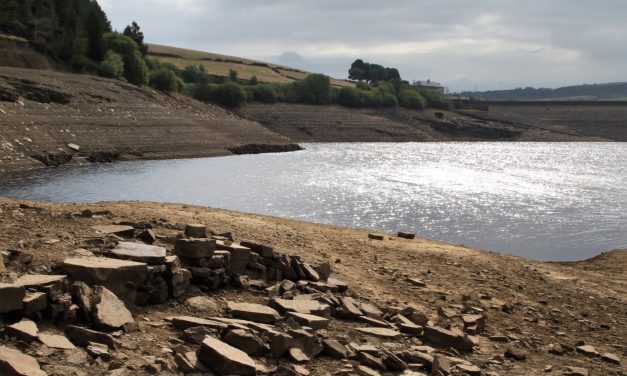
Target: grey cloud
x=488, y=43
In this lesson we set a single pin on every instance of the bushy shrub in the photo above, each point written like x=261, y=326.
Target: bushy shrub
x=135, y=68
x=112, y=66
x=349, y=97
x=195, y=75
x=389, y=100
x=164, y=79
x=319, y=87
x=410, y=98
x=227, y=94
x=435, y=100
x=264, y=94
x=254, y=80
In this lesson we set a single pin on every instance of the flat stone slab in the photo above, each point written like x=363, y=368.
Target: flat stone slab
x=253, y=312
x=83, y=336
x=16, y=363
x=312, y=307
x=111, y=273
x=55, y=341
x=381, y=332
x=226, y=359
x=11, y=296
x=26, y=330
x=39, y=280
x=312, y=321
x=444, y=337
x=121, y=230
x=184, y=322
x=140, y=252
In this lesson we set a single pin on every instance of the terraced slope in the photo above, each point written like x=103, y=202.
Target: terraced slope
x=41, y=112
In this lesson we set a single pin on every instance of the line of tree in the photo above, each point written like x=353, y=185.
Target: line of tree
x=67, y=31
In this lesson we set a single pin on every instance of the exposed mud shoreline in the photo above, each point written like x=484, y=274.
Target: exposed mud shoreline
x=534, y=309
x=50, y=118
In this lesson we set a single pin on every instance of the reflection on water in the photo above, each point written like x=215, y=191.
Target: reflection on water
x=551, y=201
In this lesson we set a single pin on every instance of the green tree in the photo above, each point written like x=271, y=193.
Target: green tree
x=254, y=80
x=112, y=66
x=228, y=94
x=135, y=68
x=319, y=86
x=233, y=75
x=133, y=31
x=95, y=28
x=410, y=98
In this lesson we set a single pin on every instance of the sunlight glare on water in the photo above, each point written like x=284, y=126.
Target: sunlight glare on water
x=550, y=201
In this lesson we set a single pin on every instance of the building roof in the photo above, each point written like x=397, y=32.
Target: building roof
x=427, y=83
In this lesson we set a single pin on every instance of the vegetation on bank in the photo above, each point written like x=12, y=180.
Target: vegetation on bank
x=79, y=34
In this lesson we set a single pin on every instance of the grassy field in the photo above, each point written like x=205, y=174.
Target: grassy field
x=220, y=65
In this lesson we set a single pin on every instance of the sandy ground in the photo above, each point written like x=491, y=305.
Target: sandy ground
x=551, y=302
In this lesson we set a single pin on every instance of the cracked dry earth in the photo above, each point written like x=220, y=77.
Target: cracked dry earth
x=520, y=317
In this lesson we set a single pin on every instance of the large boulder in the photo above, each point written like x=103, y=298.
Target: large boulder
x=225, y=359
x=196, y=248
x=102, y=307
x=16, y=363
x=119, y=276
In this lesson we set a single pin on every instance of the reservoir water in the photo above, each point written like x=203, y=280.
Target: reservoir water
x=547, y=201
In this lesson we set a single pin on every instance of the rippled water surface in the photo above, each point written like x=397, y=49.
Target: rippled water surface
x=550, y=201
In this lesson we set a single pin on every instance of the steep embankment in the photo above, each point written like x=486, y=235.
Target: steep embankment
x=306, y=123
x=42, y=112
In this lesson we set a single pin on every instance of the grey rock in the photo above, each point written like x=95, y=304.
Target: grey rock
x=225, y=359
x=16, y=363
x=150, y=254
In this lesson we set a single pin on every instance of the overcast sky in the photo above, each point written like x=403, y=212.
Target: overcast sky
x=487, y=44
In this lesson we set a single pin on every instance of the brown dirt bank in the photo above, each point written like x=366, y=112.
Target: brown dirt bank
x=307, y=123
x=548, y=303
x=41, y=112
x=606, y=120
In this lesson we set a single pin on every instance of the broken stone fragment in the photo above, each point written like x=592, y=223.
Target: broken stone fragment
x=25, y=330
x=441, y=365
x=147, y=236
x=196, y=230
x=119, y=276
x=246, y=341
x=262, y=250
x=11, y=297
x=366, y=371
x=576, y=371
x=184, y=322
x=252, y=312
x=371, y=361
x=119, y=230
x=515, y=354
x=610, y=358
x=474, y=324
x=335, y=349
x=98, y=350
x=587, y=350
x=194, y=248
x=226, y=359
x=444, y=337
x=109, y=312
x=312, y=321
x=240, y=256
x=83, y=336
x=376, y=236
x=349, y=309
x=406, y=235
x=150, y=254
x=298, y=355
x=312, y=307
x=324, y=270
x=469, y=369
x=55, y=341
x=35, y=302
x=16, y=363
x=393, y=362
x=416, y=282
x=279, y=343
x=380, y=332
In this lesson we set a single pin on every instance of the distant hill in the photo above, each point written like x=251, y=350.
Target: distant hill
x=615, y=91
x=219, y=65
